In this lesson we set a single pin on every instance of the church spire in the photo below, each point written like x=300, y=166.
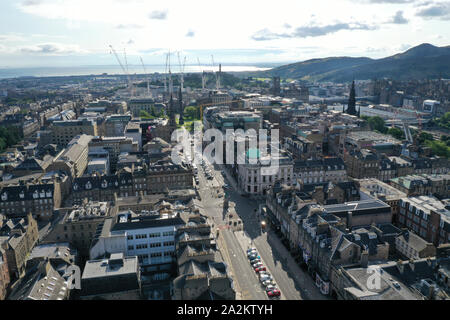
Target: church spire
x=352, y=100
x=172, y=121
x=180, y=108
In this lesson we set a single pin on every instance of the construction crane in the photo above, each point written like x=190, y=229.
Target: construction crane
x=146, y=75
x=181, y=71
x=215, y=73
x=170, y=78
x=165, y=74
x=419, y=120
x=203, y=75
x=130, y=84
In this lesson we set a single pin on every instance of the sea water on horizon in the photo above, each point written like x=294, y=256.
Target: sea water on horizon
x=111, y=70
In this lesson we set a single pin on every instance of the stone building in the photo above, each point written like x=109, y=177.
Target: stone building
x=48, y=275
x=414, y=247
x=423, y=184
x=202, y=274
x=154, y=179
x=39, y=194
x=4, y=275
x=325, y=170
x=64, y=131
x=115, y=278
x=17, y=239
x=74, y=159
x=427, y=217
x=362, y=164
x=79, y=225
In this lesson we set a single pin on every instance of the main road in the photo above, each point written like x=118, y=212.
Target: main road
x=294, y=283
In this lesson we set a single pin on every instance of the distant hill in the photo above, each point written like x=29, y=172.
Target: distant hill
x=422, y=61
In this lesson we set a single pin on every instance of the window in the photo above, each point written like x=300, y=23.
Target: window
x=141, y=246
x=169, y=243
x=130, y=247
x=141, y=236
x=154, y=235
x=156, y=254
x=155, y=245
x=168, y=233
x=130, y=237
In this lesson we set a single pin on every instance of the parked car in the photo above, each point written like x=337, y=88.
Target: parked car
x=263, y=276
x=254, y=261
x=259, y=269
x=268, y=282
x=252, y=253
x=270, y=287
x=274, y=293
x=253, y=257
x=250, y=250
x=257, y=265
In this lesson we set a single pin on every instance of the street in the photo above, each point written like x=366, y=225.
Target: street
x=293, y=282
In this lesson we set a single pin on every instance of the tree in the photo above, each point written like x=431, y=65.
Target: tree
x=396, y=133
x=145, y=114
x=439, y=148
x=153, y=112
x=377, y=123
x=424, y=137
x=191, y=112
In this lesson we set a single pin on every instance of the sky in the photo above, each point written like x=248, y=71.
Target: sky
x=42, y=33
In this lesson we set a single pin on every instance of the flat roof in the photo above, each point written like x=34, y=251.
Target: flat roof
x=110, y=267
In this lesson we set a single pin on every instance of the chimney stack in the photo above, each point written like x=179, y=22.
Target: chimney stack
x=349, y=219
x=411, y=264
x=364, y=259
x=400, y=266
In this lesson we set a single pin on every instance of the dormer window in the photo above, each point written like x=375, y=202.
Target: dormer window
x=48, y=194
x=4, y=196
x=88, y=185
x=75, y=186
x=42, y=194
x=21, y=195
x=104, y=184
x=35, y=194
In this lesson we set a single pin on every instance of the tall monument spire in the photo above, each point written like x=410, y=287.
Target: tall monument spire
x=180, y=106
x=351, y=109
x=172, y=121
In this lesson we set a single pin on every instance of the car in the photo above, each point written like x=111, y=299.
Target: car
x=257, y=265
x=254, y=258
x=268, y=282
x=273, y=293
x=259, y=269
x=270, y=287
x=210, y=177
x=250, y=250
x=225, y=186
x=255, y=261
x=263, y=276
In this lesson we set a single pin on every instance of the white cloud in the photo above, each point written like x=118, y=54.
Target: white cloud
x=158, y=15
x=52, y=49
